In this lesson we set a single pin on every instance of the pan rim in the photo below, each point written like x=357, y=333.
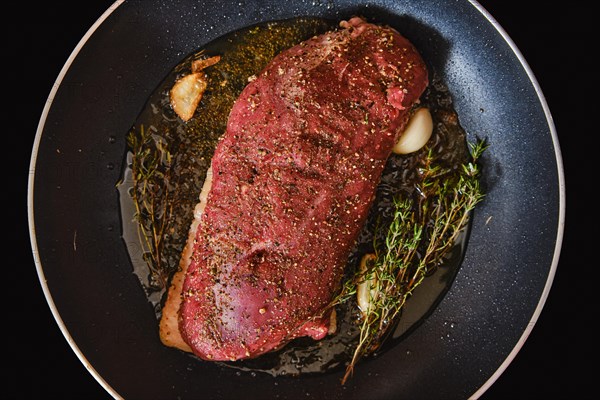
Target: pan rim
x=30, y=200
x=561, y=209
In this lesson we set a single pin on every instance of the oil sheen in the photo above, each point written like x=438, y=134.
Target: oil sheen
x=181, y=153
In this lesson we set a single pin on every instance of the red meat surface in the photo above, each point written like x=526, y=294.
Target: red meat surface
x=293, y=179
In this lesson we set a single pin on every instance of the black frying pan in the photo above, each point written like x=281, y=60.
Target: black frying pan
x=492, y=304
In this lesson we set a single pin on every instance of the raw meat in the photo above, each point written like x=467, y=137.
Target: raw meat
x=293, y=179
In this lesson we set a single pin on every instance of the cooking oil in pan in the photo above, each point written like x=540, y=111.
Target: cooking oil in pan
x=180, y=154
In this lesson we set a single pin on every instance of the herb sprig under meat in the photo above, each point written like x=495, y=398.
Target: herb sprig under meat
x=422, y=232
x=152, y=166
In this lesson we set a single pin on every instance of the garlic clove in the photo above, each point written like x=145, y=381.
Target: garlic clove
x=417, y=132
x=365, y=291
x=186, y=94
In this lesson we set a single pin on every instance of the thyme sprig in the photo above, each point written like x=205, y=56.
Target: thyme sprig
x=151, y=165
x=423, y=230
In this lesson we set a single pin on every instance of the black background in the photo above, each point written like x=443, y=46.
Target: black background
x=556, y=42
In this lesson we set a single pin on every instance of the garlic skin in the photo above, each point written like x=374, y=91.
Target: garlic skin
x=417, y=132
x=332, y=323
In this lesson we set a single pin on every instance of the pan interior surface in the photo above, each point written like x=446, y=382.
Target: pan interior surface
x=86, y=270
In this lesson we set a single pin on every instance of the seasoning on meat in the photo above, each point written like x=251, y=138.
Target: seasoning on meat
x=292, y=182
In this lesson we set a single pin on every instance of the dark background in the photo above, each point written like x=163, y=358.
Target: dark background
x=556, y=42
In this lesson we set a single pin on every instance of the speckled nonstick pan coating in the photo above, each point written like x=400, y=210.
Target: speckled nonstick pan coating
x=85, y=269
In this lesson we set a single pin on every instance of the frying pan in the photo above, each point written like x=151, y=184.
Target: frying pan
x=84, y=269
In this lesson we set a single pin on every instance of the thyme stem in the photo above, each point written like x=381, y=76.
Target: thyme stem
x=422, y=232
x=151, y=167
